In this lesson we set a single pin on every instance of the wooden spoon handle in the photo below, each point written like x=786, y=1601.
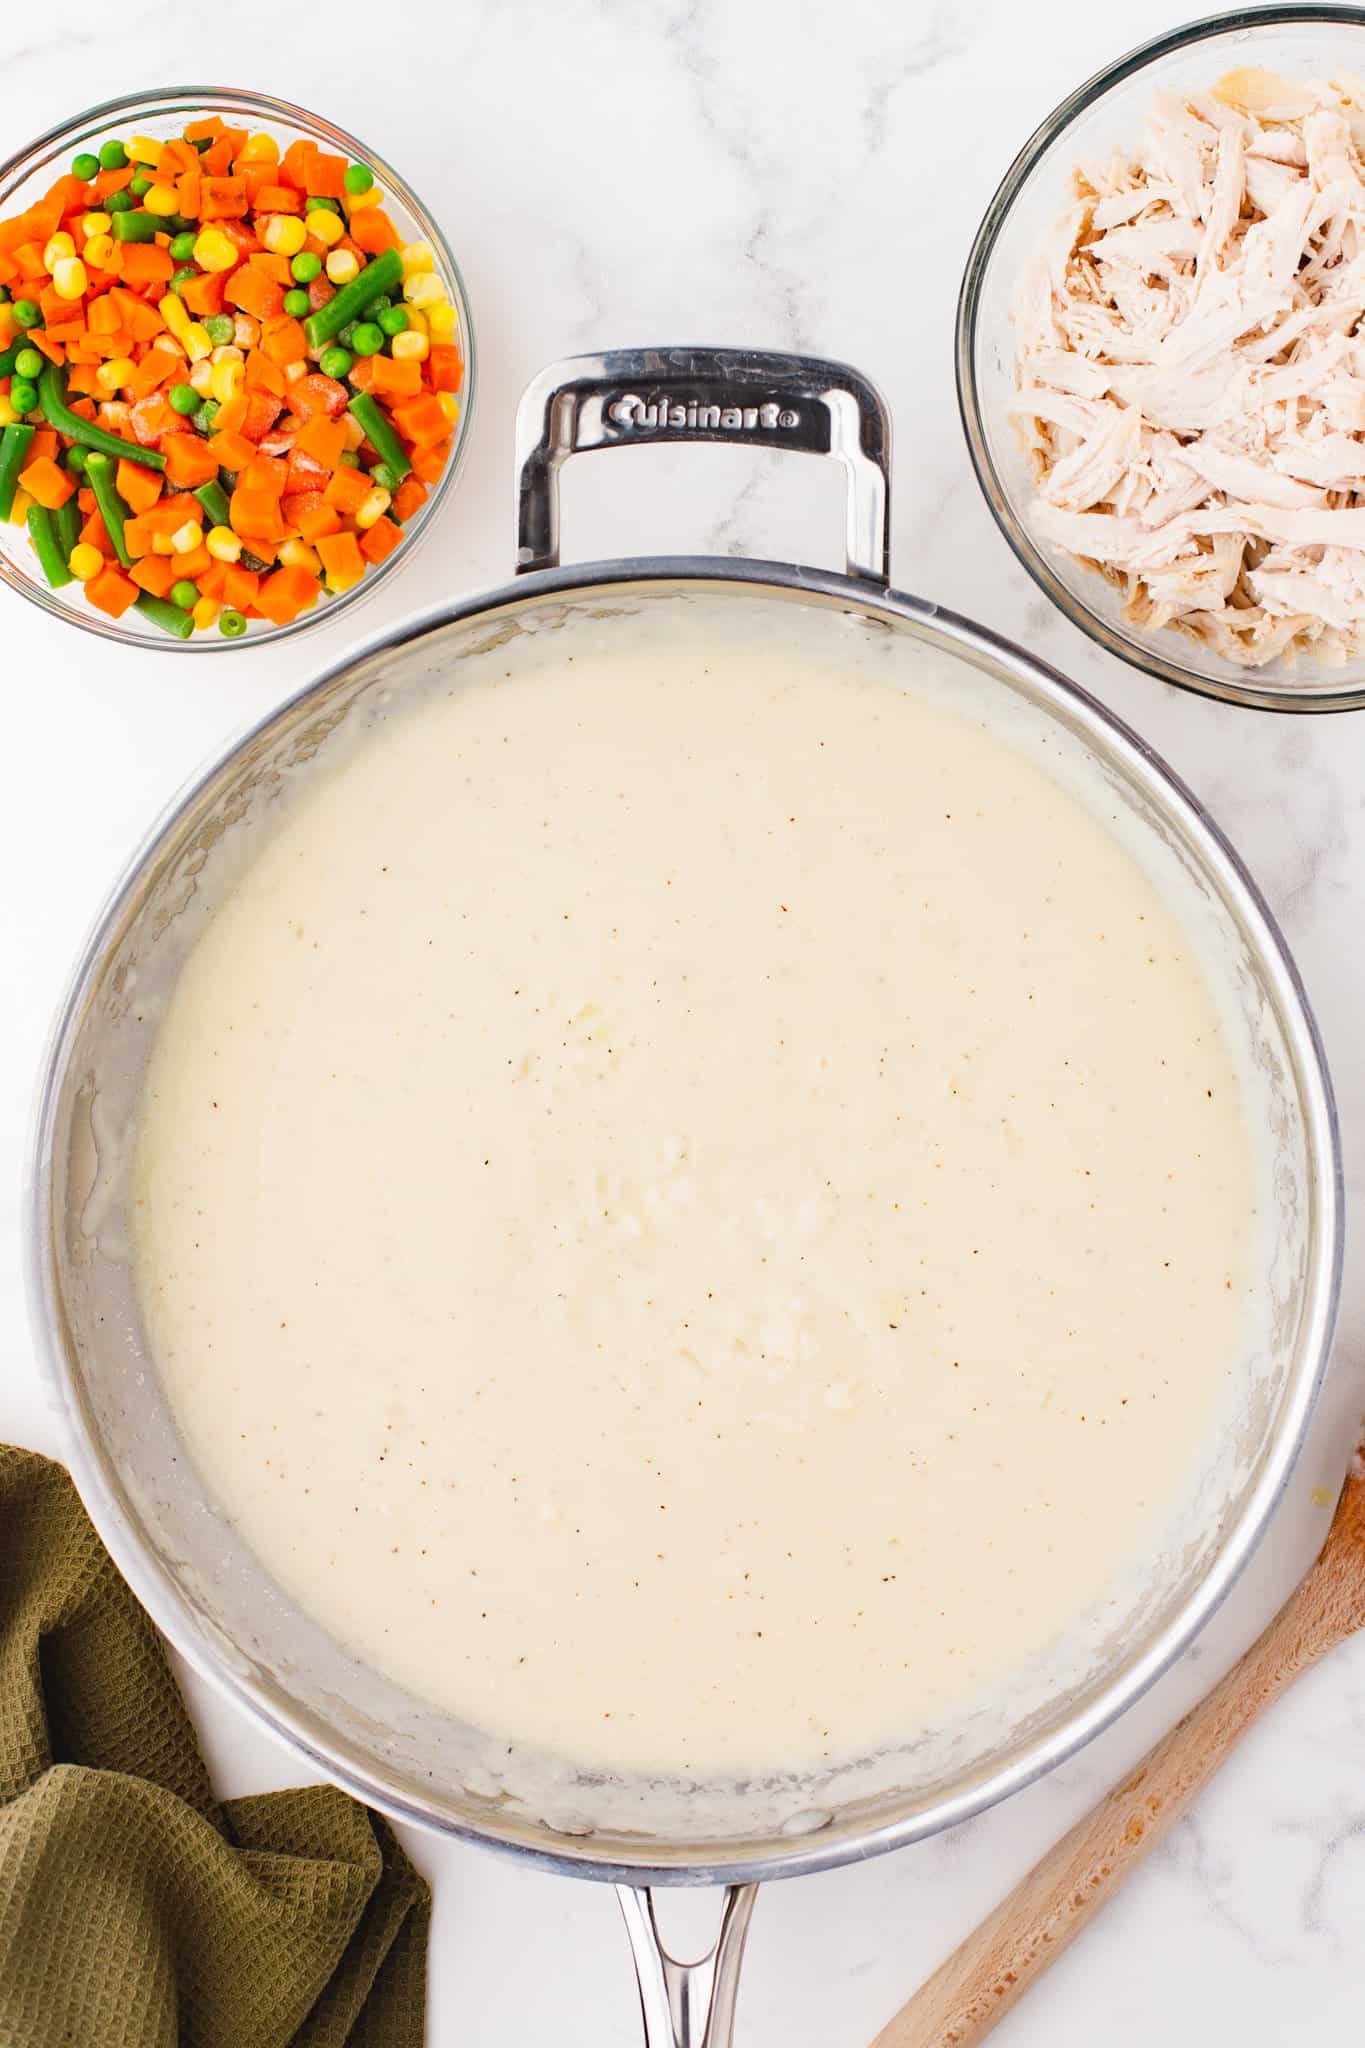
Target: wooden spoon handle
x=1027, y=1932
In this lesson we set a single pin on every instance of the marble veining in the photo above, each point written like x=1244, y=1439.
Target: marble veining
x=626, y=171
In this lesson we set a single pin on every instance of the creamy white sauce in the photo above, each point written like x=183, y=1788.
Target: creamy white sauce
x=693, y=1209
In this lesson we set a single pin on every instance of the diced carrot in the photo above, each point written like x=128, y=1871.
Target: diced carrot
x=310, y=515
x=324, y=175
x=177, y=155
x=222, y=198
x=323, y=439
x=284, y=595
x=303, y=473
x=213, y=580
x=262, y=411
x=46, y=484
x=421, y=420
x=138, y=535
x=153, y=573
x=53, y=305
x=296, y=166
x=262, y=374
x=320, y=291
x=85, y=500
x=113, y=181
x=190, y=564
x=278, y=199
x=273, y=266
x=152, y=417
x=347, y=489
x=341, y=558
x=189, y=461
x=146, y=263
x=265, y=473
x=111, y=591
x=411, y=494
x=284, y=340
x=216, y=162
x=138, y=487
x=445, y=367
x=241, y=234
x=95, y=532
x=104, y=316
x=428, y=462
x=206, y=129
x=143, y=322
x=229, y=419
x=255, y=513
x=169, y=514
x=378, y=542
x=373, y=231
x=240, y=586
x=401, y=378
x=230, y=450
x=203, y=295
x=29, y=257
x=158, y=366
x=44, y=442
x=252, y=291
x=189, y=193
x=49, y=341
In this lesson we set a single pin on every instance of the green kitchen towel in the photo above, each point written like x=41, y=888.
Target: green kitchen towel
x=135, y=1910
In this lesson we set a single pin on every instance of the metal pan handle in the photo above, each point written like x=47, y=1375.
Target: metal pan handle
x=635, y=396
x=687, y=2005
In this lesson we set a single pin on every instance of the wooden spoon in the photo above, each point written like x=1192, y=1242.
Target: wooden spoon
x=1009, y=1951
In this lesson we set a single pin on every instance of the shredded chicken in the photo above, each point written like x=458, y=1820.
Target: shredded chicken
x=1190, y=350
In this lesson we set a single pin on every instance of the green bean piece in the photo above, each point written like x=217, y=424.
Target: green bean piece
x=135, y=226
x=384, y=270
x=14, y=443
x=67, y=520
x=206, y=415
x=213, y=498
x=46, y=546
x=163, y=613
x=99, y=471
x=231, y=624
x=58, y=414
x=380, y=433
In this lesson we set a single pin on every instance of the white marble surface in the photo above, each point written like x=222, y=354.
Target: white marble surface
x=615, y=171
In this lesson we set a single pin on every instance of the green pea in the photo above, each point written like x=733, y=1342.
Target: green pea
x=28, y=364
x=358, y=178
x=231, y=625
x=349, y=459
x=182, y=248
x=315, y=203
x=220, y=328
x=185, y=594
x=140, y=184
x=206, y=415
x=368, y=339
x=27, y=313
x=113, y=156
x=298, y=304
x=184, y=399
x=23, y=397
x=335, y=362
x=306, y=266
x=183, y=276
x=118, y=202
x=384, y=477
x=347, y=333
x=394, y=319
x=378, y=306
x=75, y=459
x=85, y=166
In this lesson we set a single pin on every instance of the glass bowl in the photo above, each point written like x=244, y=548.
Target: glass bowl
x=1107, y=113
x=25, y=177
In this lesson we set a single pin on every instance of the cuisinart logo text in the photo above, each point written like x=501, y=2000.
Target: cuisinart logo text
x=630, y=410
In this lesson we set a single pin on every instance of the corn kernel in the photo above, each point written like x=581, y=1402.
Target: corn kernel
x=18, y=511
x=372, y=507
x=69, y=278
x=201, y=378
x=342, y=266
x=417, y=256
x=246, y=330
x=449, y=404
x=296, y=554
x=143, y=149
x=410, y=346
x=213, y=250
x=196, y=340
x=223, y=544
x=7, y=413
x=114, y=374
x=417, y=321
x=293, y=371
x=175, y=313
x=228, y=352
x=58, y=246
x=96, y=224
x=259, y=149
x=354, y=201
x=337, y=581
x=84, y=561
x=441, y=322
x=284, y=234
x=99, y=251
x=226, y=381
x=161, y=199
x=187, y=537
x=324, y=226
x=205, y=613
x=424, y=289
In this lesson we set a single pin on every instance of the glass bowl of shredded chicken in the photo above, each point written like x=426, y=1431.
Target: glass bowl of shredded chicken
x=1161, y=357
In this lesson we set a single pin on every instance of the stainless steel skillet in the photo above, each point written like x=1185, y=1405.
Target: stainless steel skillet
x=208, y=1592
